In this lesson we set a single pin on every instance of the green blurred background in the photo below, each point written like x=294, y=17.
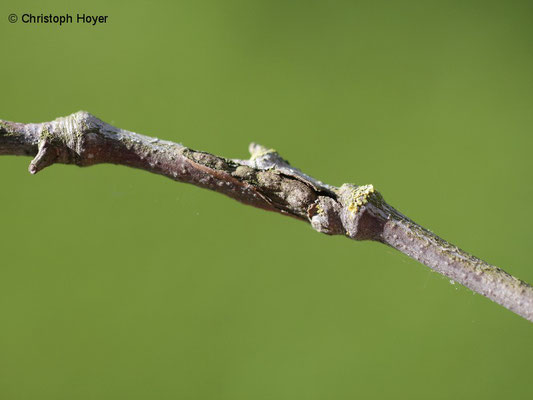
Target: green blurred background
x=119, y=284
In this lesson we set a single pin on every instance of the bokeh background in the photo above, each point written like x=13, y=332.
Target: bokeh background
x=119, y=284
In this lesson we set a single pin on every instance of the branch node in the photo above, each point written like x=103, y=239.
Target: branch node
x=362, y=212
x=324, y=216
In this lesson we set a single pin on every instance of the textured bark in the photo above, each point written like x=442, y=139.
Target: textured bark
x=265, y=181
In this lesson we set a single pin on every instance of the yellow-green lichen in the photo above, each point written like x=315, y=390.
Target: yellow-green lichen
x=5, y=129
x=359, y=197
x=45, y=134
x=260, y=151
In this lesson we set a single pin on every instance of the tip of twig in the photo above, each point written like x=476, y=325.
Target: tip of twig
x=257, y=149
x=45, y=157
x=32, y=168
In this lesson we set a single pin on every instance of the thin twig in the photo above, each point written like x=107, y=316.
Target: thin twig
x=265, y=181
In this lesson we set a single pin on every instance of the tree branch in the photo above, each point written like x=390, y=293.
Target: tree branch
x=265, y=181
